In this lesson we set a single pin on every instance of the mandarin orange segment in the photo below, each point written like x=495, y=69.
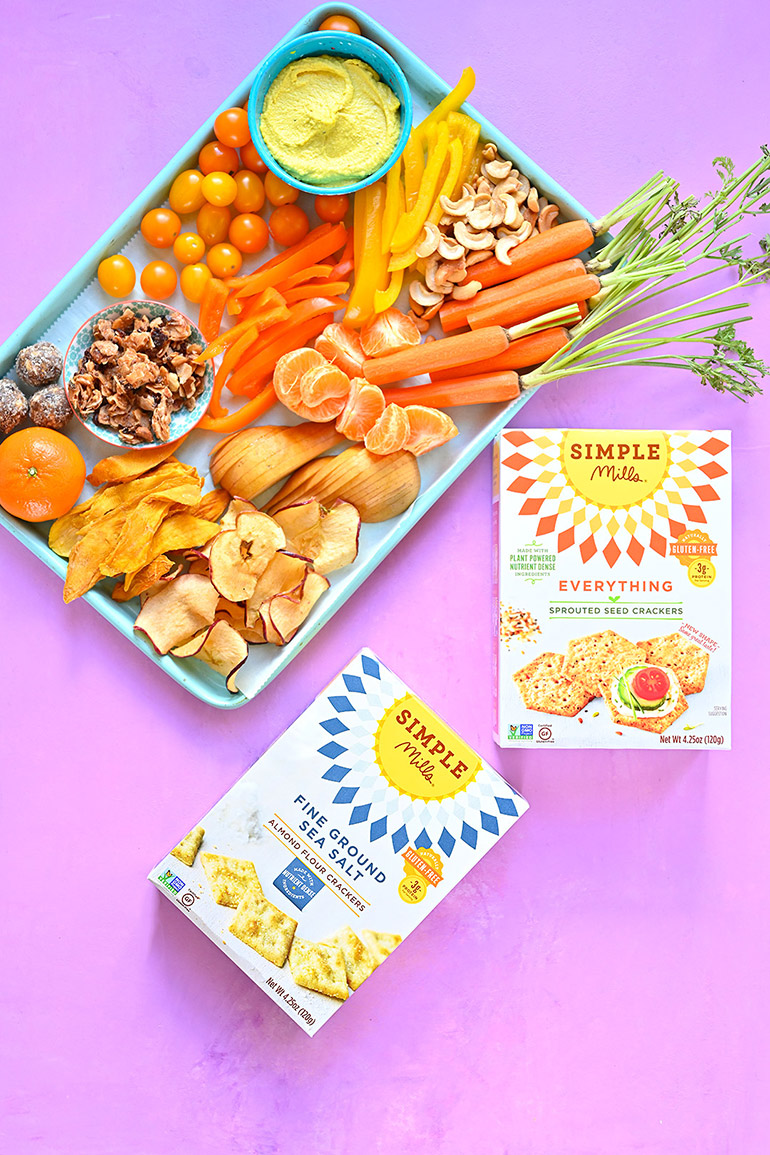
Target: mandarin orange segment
x=288, y=374
x=390, y=432
x=389, y=332
x=324, y=383
x=364, y=407
x=428, y=428
x=342, y=346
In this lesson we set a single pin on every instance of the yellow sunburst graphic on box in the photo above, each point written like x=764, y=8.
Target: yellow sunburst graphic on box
x=613, y=492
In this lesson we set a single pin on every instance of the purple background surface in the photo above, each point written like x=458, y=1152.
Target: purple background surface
x=598, y=985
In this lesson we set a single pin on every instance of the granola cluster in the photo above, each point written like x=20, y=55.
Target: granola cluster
x=136, y=373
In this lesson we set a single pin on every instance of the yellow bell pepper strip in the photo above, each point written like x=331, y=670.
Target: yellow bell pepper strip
x=467, y=131
x=371, y=271
x=384, y=298
x=414, y=166
x=405, y=260
x=410, y=226
x=450, y=103
x=394, y=204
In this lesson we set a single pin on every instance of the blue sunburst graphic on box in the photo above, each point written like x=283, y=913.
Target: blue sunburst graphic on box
x=357, y=703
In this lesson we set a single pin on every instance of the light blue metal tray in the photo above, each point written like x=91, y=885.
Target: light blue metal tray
x=77, y=296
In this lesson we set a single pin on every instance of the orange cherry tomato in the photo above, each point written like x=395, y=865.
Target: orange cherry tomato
x=158, y=280
x=289, y=224
x=251, y=192
x=192, y=281
x=340, y=23
x=278, y=191
x=212, y=223
x=231, y=127
x=186, y=194
x=116, y=275
x=250, y=158
x=249, y=233
x=217, y=157
x=332, y=208
x=219, y=188
x=189, y=248
x=224, y=261
x=160, y=228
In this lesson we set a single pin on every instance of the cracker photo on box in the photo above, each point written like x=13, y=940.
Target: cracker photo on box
x=326, y=854
x=612, y=570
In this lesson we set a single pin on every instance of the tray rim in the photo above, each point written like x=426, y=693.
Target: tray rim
x=83, y=271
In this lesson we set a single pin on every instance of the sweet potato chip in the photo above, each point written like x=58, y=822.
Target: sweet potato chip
x=221, y=647
x=126, y=466
x=177, y=612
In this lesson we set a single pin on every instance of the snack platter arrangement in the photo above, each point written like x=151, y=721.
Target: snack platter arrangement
x=78, y=297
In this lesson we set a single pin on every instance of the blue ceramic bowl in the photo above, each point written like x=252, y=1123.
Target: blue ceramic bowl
x=343, y=44
x=183, y=420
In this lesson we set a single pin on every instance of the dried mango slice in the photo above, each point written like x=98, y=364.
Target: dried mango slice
x=143, y=579
x=212, y=505
x=178, y=612
x=126, y=466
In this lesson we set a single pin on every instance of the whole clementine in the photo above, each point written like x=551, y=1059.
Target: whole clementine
x=41, y=474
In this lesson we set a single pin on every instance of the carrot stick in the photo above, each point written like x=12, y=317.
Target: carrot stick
x=310, y=254
x=454, y=314
x=212, y=308
x=479, y=389
x=252, y=375
x=444, y=354
x=557, y=244
x=532, y=350
x=232, y=422
x=535, y=302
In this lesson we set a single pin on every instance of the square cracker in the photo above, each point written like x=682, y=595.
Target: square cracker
x=263, y=927
x=187, y=849
x=653, y=725
x=229, y=878
x=319, y=967
x=594, y=658
x=543, y=687
x=380, y=944
x=689, y=661
x=359, y=960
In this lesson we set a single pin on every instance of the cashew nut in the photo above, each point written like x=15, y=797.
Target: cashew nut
x=467, y=291
x=547, y=218
x=430, y=242
x=504, y=247
x=422, y=296
x=471, y=239
x=459, y=207
x=497, y=169
x=450, y=249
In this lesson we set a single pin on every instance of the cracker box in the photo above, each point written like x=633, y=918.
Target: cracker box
x=338, y=842
x=613, y=588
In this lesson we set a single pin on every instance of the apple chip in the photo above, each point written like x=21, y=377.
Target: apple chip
x=221, y=647
x=285, y=613
x=178, y=612
x=285, y=572
x=235, y=614
x=328, y=537
x=236, y=506
x=239, y=556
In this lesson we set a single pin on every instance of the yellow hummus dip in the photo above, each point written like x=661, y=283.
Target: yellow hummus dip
x=329, y=121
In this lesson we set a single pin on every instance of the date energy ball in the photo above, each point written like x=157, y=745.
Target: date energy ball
x=13, y=405
x=50, y=407
x=39, y=364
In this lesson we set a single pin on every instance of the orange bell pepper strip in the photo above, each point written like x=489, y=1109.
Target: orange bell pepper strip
x=302, y=292
x=314, y=234
x=305, y=275
x=451, y=103
x=309, y=254
x=410, y=225
x=291, y=335
x=271, y=307
x=371, y=265
x=232, y=422
x=212, y=308
x=346, y=263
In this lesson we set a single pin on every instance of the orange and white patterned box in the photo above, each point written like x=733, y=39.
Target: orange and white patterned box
x=613, y=588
